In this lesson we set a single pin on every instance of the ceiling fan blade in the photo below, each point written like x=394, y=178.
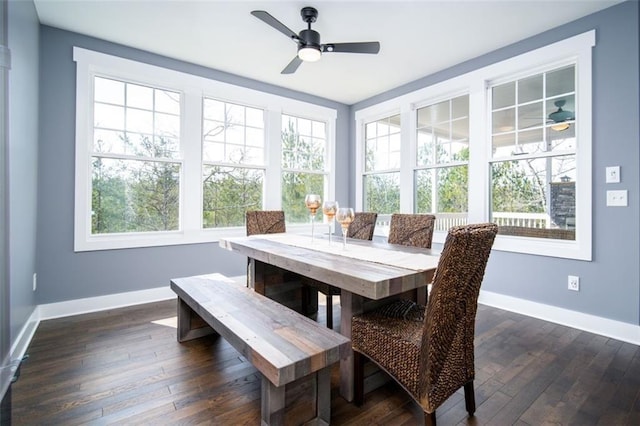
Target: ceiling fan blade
x=359, y=47
x=293, y=66
x=270, y=20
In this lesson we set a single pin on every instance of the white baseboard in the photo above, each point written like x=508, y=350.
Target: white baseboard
x=593, y=324
x=102, y=303
x=20, y=345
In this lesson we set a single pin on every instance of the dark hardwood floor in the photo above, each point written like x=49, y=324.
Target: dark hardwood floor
x=125, y=367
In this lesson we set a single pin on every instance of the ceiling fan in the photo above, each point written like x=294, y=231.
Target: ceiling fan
x=560, y=117
x=309, y=47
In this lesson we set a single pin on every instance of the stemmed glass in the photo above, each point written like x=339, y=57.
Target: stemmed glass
x=345, y=216
x=329, y=208
x=312, y=202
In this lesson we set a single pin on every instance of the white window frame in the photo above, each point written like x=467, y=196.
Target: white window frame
x=576, y=49
x=192, y=88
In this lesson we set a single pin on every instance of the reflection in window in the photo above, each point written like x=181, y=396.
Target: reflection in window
x=533, y=172
x=442, y=156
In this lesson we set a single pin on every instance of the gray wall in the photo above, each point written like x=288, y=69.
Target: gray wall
x=610, y=284
x=65, y=275
x=22, y=155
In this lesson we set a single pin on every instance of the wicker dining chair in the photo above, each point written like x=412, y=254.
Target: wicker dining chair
x=363, y=225
x=430, y=352
x=265, y=222
x=411, y=229
x=361, y=228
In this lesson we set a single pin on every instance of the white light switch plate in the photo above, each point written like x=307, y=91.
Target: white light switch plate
x=613, y=174
x=617, y=198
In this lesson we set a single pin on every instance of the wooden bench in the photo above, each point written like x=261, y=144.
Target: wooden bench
x=282, y=344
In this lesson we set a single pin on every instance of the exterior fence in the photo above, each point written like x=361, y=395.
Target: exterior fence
x=444, y=221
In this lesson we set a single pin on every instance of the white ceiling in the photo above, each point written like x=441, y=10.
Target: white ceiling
x=417, y=38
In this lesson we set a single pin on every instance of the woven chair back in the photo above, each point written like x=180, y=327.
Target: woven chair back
x=265, y=222
x=363, y=225
x=447, y=348
x=414, y=230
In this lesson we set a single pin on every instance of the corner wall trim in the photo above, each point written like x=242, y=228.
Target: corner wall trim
x=593, y=324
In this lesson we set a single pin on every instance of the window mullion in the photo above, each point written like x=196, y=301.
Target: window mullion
x=408, y=125
x=191, y=143
x=479, y=150
x=272, y=187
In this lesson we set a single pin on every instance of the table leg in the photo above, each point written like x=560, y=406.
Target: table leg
x=350, y=305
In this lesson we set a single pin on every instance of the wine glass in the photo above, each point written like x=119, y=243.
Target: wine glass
x=345, y=216
x=329, y=208
x=313, y=202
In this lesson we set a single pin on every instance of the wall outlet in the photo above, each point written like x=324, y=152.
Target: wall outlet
x=573, y=283
x=35, y=281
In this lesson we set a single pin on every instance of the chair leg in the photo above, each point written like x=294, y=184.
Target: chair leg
x=430, y=419
x=330, y=311
x=358, y=378
x=469, y=398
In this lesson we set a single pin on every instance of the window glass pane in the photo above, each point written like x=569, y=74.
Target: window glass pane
x=167, y=125
x=213, y=110
x=530, y=115
x=255, y=118
x=382, y=193
x=530, y=89
x=167, y=101
x=134, y=196
x=140, y=121
x=503, y=120
x=460, y=107
x=561, y=81
x=443, y=192
x=228, y=193
x=108, y=91
x=504, y=95
x=295, y=186
x=140, y=97
x=235, y=115
x=108, y=141
x=424, y=155
x=108, y=116
x=382, y=145
x=460, y=128
x=535, y=197
x=299, y=150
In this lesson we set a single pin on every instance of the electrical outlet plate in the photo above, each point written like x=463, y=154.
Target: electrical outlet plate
x=35, y=281
x=573, y=283
x=617, y=198
x=613, y=174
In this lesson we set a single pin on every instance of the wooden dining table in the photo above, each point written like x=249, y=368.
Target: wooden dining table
x=368, y=273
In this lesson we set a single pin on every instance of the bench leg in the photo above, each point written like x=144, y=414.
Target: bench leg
x=190, y=325
x=272, y=403
x=323, y=396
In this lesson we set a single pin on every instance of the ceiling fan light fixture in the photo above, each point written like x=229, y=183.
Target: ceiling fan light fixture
x=309, y=54
x=559, y=127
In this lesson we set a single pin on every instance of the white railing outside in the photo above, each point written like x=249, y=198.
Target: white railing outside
x=444, y=221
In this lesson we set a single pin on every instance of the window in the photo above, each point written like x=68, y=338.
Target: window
x=442, y=155
x=533, y=165
x=303, y=164
x=503, y=143
x=381, y=179
x=164, y=157
x=233, y=162
x=135, y=158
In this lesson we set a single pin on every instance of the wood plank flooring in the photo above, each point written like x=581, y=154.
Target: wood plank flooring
x=125, y=366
